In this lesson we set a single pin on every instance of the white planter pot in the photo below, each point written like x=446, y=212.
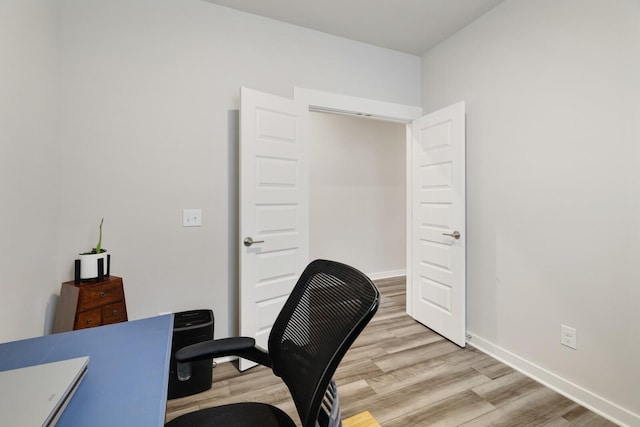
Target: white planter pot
x=89, y=265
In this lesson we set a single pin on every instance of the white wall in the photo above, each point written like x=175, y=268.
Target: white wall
x=553, y=148
x=358, y=192
x=149, y=93
x=28, y=166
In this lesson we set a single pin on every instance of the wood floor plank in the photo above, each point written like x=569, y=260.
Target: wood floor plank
x=397, y=401
x=581, y=416
x=411, y=356
x=506, y=389
x=492, y=368
x=451, y=411
x=406, y=375
x=535, y=408
x=357, y=390
x=356, y=369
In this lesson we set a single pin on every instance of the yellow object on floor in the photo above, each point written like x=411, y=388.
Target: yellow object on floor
x=363, y=419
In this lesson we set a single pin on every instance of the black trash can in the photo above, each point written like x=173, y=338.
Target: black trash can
x=191, y=327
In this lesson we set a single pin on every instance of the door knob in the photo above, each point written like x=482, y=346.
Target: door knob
x=249, y=241
x=455, y=234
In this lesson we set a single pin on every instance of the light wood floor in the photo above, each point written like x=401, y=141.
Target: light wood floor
x=406, y=375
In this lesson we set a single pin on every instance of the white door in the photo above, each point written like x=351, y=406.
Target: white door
x=274, y=208
x=437, y=237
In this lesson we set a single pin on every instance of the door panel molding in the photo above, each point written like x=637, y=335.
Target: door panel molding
x=436, y=222
x=274, y=208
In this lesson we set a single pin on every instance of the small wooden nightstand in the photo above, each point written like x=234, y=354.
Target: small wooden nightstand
x=86, y=305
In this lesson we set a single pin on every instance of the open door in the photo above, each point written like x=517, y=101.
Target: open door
x=437, y=235
x=274, y=208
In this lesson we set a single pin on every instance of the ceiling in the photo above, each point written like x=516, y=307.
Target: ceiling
x=411, y=26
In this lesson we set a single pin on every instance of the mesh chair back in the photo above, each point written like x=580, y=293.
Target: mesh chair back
x=327, y=309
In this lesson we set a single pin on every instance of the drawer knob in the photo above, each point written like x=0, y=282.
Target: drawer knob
x=102, y=294
x=88, y=321
x=115, y=312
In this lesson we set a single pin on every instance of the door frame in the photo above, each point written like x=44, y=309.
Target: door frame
x=344, y=104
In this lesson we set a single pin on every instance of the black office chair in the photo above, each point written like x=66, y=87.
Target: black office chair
x=327, y=309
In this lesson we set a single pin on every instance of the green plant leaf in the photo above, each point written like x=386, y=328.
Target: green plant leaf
x=99, y=245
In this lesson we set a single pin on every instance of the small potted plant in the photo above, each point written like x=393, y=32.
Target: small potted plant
x=89, y=260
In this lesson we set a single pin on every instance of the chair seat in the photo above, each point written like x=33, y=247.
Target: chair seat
x=235, y=415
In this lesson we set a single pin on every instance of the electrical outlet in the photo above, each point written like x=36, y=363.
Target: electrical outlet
x=568, y=336
x=192, y=217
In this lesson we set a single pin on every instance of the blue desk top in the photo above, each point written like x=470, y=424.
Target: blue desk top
x=126, y=384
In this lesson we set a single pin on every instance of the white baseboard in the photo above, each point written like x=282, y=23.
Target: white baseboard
x=225, y=359
x=593, y=402
x=387, y=274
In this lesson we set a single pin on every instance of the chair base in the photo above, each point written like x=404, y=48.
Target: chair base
x=235, y=415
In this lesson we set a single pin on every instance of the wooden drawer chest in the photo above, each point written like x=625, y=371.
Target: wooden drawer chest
x=86, y=305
